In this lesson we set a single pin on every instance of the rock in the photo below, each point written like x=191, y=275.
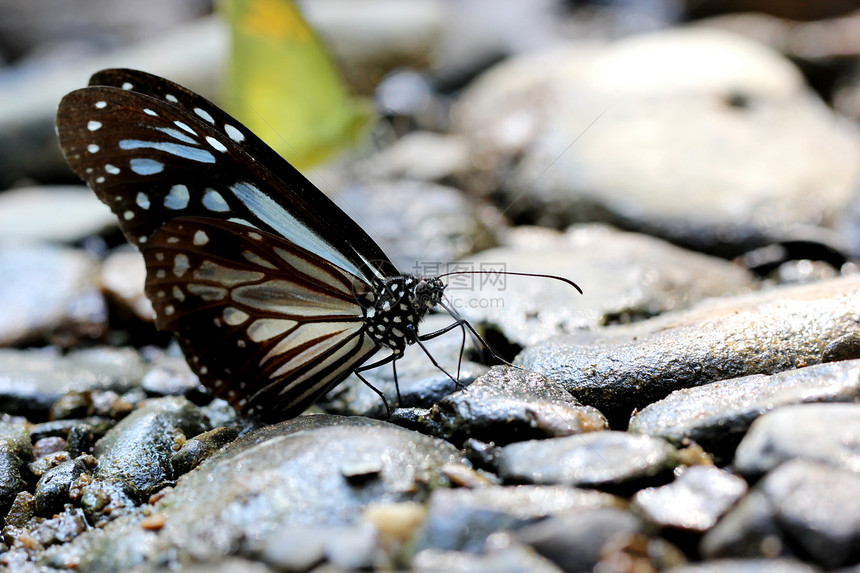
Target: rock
x=137, y=452
x=748, y=530
x=694, y=501
x=297, y=473
x=624, y=276
x=576, y=542
x=747, y=566
x=15, y=451
x=508, y=405
x=200, y=448
x=52, y=490
x=597, y=459
x=815, y=432
x=32, y=381
x=818, y=508
x=694, y=135
x=619, y=369
x=462, y=519
x=717, y=415
x=52, y=214
x=122, y=278
x=47, y=287
x=509, y=559
x=423, y=155
x=423, y=226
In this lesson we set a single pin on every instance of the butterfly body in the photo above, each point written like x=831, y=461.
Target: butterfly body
x=274, y=294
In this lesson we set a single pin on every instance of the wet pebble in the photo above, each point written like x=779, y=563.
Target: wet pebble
x=718, y=415
x=31, y=381
x=15, y=451
x=64, y=214
x=694, y=501
x=625, y=277
x=828, y=433
x=747, y=566
x=52, y=490
x=45, y=288
x=462, y=519
x=293, y=473
x=508, y=405
x=122, y=277
x=623, y=368
x=511, y=558
x=201, y=447
x=598, y=459
x=136, y=453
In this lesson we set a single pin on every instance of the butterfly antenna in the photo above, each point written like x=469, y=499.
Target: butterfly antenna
x=538, y=275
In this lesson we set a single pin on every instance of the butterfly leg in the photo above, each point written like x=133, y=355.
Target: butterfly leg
x=392, y=358
x=419, y=340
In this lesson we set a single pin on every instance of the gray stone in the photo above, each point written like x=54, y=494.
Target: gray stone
x=637, y=134
x=818, y=509
x=52, y=214
x=819, y=432
x=624, y=276
x=576, y=542
x=137, y=452
x=421, y=225
x=747, y=566
x=122, y=277
x=15, y=451
x=748, y=530
x=46, y=287
x=717, y=415
x=509, y=559
x=508, y=405
x=694, y=501
x=422, y=155
x=594, y=459
x=619, y=369
x=33, y=380
x=462, y=519
x=287, y=474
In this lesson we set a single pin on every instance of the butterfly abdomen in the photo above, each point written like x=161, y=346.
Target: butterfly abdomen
x=400, y=303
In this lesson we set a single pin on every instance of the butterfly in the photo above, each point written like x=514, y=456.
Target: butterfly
x=274, y=294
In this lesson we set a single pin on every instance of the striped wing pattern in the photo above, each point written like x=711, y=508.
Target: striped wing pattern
x=256, y=271
x=267, y=325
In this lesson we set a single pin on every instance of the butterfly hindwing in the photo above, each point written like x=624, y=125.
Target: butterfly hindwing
x=268, y=325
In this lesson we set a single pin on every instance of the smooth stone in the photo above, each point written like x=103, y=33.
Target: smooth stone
x=462, y=519
x=52, y=490
x=15, y=451
x=596, y=459
x=288, y=474
x=33, y=380
x=61, y=214
x=201, y=447
x=170, y=375
x=301, y=547
x=748, y=530
x=575, y=542
x=717, y=415
x=422, y=226
x=747, y=566
x=623, y=134
x=509, y=559
x=421, y=383
x=694, y=501
x=620, y=369
x=624, y=277
x=508, y=405
x=423, y=155
x=818, y=508
x=825, y=433
x=137, y=452
x=46, y=287
x=122, y=277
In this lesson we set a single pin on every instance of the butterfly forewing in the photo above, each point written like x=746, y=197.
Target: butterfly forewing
x=153, y=150
x=268, y=325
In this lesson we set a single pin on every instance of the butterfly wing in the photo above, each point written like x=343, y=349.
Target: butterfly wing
x=267, y=325
x=153, y=150
x=253, y=268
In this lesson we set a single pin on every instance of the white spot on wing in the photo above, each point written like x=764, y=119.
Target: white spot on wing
x=213, y=201
x=171, y=98
x=128, y=215
x=234, y=316
x=146, y=166
x=234, y=133
x=177, y=198
x=101, y=104
x=112, y=169
x=184, y=126
x=266, y=328
x=92, y=148
x=217, y=145
x=93, y=125
x=148, y=111
x=142, y=200
x=127, y=85
x=204, y=114
x=180, y=264
x=200, y=238
x=183, y=151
